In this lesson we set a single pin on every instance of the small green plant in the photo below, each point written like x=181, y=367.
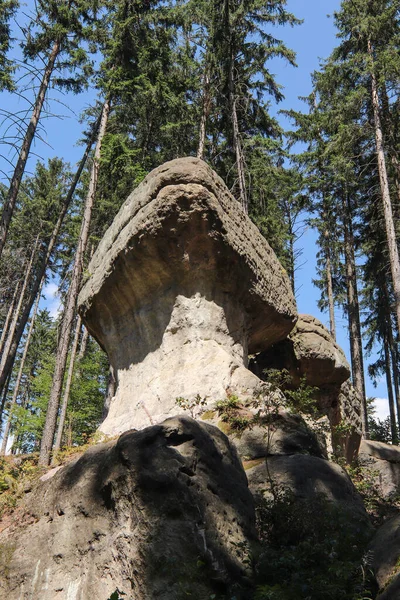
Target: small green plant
x=191, y=404
x=117, y=595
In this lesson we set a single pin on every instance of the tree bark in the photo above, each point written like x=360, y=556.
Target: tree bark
x=17, y=313
x=329, y=290
x=353, y=310
x=385, y=191
x=204, y=115
x=8, y=319
x=67, y=390
x=20, y=372
x=388, y=372
x=41, y=269
x=67, y=321
x=12, y=195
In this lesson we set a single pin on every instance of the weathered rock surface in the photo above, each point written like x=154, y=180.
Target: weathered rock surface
x=306, y=476
x=181, y=288
x=309, y=351
x=159, y=513
x=383, y=462
x=281, y=433
x=385, y=551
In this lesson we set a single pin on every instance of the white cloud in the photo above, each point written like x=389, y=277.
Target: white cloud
x=382, y=408
x=50, y=290
x=52, y=300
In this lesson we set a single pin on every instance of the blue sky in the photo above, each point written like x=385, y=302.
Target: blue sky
x=312, y=41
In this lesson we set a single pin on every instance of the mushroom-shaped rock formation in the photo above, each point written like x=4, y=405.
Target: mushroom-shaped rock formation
x=181, y=288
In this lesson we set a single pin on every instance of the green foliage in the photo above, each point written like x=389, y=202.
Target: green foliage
x=191, y=404
x=15, y=475
x=300, y=399
x=7, y=10
x=309, y=550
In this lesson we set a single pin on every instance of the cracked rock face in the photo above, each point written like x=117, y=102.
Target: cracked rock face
x=160, y=513
x=181, y=288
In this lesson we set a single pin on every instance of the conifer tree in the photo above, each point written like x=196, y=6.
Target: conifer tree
x=56, y=36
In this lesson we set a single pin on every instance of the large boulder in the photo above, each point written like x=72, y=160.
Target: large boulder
x=383, y=463
x=161, y=513
x=306, y=477
x=385, y=553
x=180, y=289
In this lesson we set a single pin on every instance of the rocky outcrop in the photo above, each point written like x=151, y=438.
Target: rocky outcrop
x=161, y=513
x=309, y=354
x=385, y=552
x=181, y=288
x=383, y=463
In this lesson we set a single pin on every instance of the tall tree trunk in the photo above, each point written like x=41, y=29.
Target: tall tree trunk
x=41, y=269
x=5, y=393
x=12, y=195
x=20, y=372
x=354, y=315
x=8, y=319
x=83, y=344
x=17, y=313
x=67, y=321
x=67, y=389
x=384, y=184
x=204, y=114
x=329, y=290
x=388, y=373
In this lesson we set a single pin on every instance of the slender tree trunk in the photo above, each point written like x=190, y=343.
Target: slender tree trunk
x=385, y=191
x=17, y=313
x=388, y=372
x=204, y=114
x=329, y=290
x=67, y=389
x=67, y=321
x=41, y=269
x=12, y=195
x=354, y=315
x=84, y=341
x=20, y=372
x=111, y=387
x=5, y=393
x=8, y=319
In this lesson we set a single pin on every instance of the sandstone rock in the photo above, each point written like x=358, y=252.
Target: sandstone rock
x=383, y=461
x=181, y=288
x=385, y=550
x=309, y=351
x=159, y=513
x=307, y=477
x=281, y=433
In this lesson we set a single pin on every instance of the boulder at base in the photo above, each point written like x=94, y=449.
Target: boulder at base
x=161, y=513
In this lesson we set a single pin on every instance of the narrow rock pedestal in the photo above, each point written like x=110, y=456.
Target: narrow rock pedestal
x=181, y=289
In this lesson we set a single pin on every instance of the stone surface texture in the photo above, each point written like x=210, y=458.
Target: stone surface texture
x=383, y=462
x=310, y=354
x=309, y=351
x=385, y=551
x=159, y=513
x=280, y=433
x=181, y=288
